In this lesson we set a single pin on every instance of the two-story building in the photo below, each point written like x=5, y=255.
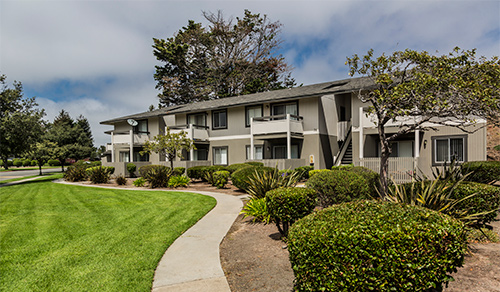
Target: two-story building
x=321, y=125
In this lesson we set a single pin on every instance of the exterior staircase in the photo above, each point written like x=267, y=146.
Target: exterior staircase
x=347, y=158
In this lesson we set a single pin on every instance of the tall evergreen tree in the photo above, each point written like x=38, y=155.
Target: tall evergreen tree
x=227, y=58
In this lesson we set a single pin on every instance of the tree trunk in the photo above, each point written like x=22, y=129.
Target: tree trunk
x=40, y=169
x=5, y=163
x=385, y=152
x=62, y=164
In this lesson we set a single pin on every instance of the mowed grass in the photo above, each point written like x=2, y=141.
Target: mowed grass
x=57, y=237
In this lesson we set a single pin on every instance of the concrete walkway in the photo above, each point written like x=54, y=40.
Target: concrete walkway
x=192, y=262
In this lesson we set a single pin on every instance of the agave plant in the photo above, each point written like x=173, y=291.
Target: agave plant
x=257, y=209
x=260, y=182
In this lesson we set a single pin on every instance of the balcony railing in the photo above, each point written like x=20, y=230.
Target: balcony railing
x=343, y=129
x=126, y=138
x=277, y=124
x=194, y=132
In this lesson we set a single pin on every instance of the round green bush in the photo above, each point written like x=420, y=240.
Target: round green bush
x=220, y=179
x=239, y=178
x=316, y=171
x=287, y=205
x=234, y=167
x=18, y=162
x=34, y=163
x=305, y=171
x=375, y=246
x=26, y=162
x=178, y=171
x=372, y=176
x=338, y=186
x=482, y=171
x=131, y=168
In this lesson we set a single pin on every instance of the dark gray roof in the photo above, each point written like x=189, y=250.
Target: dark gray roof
x=340, y=86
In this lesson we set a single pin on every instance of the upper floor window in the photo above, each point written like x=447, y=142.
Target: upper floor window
x=219, y=119
x=142, y=127
x=254, y=111
x=283, y=109
x=199, y=119
x=447, y=149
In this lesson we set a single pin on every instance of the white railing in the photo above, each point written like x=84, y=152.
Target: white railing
x=342, y=130
x=277, y=124
x=193, y=132
x=400, y=169
x=121, y=138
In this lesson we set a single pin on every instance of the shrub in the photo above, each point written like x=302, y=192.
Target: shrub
x=371, y=176
x=196, y=172
x=260, y=182
x=475, y=204
x=304, y=171
x=375, y=246
x=96, y=163
x=256, y=208
x=158, y=176
x=34, y=163
x=343, y=167
x=100, y=174
x=144, y=169
x=17, y=162
x=75, y=173
x=240, y=177
x=140, y=182
x=131, y=168
x=287, y=205
x=176, y=181
x=234, y=167
x=316, y=171
x=482, y=171
x=255, y=163
x=486, y=199
x=220, y=179
x=26, y=162
x=178, y=171
x=286, y=172
x=54, y=162
x=121, y=180
x=340, y=186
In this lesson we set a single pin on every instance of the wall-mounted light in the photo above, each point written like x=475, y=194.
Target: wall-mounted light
x=425, y=144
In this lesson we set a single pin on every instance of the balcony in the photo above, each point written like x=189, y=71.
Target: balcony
x=277, y=125
x=129, y=137
x=194, y=132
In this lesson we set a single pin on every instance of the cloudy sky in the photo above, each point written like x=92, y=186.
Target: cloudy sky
x=95, y=57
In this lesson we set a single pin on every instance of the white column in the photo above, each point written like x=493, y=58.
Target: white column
x=252, y=150
x=417, y=143
x=112, y=147
x=191, y=135
x=288, y=138
x=131, y=158
x=361, y=134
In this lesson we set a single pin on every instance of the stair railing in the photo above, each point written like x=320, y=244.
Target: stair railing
x=343, y=147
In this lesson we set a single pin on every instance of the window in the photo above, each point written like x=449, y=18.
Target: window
x=280, y=152
x=285, y=108
x=258, y=152
x=447, y=149
x=402, y=149
x=252, y=112
x=201, y=152
x=142, y=127
x=139, y=157
x=199, y=119
x=219, y=119
x=125, y=156
x=220, y=155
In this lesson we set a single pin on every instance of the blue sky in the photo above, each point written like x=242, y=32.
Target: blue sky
x=95, y=58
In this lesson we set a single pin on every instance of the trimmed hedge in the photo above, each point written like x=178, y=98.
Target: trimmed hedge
x=220, y=179
x=339, y=186
x=316, y=171
x=196, y=172
x=240, y=177
x=54, y=162
x=131, y=168
x=482, y=171
x=255, y=163
x=305, y=171
x=234, y=167
x=178, y=171
x=287, y=205
x=375, y=246
x=487, y=198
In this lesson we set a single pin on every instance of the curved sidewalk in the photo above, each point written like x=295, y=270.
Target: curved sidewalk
x=192, y=262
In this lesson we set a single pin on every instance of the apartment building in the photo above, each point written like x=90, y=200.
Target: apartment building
x=320, y=125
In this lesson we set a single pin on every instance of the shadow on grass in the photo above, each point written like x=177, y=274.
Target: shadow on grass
x=44, y=178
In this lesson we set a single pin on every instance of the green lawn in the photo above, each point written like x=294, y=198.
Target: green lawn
x=57, y=237
x=14, y=168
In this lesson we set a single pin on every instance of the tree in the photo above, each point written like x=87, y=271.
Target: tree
x=42, y=152
x=428, y=90
x=73, y=138
x=170, y=145
x=227, y=58
x=21, y=122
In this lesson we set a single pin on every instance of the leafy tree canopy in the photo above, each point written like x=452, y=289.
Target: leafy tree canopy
x=420, y=90
x=21, y=123
x=227, y=58
x=169, y=145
